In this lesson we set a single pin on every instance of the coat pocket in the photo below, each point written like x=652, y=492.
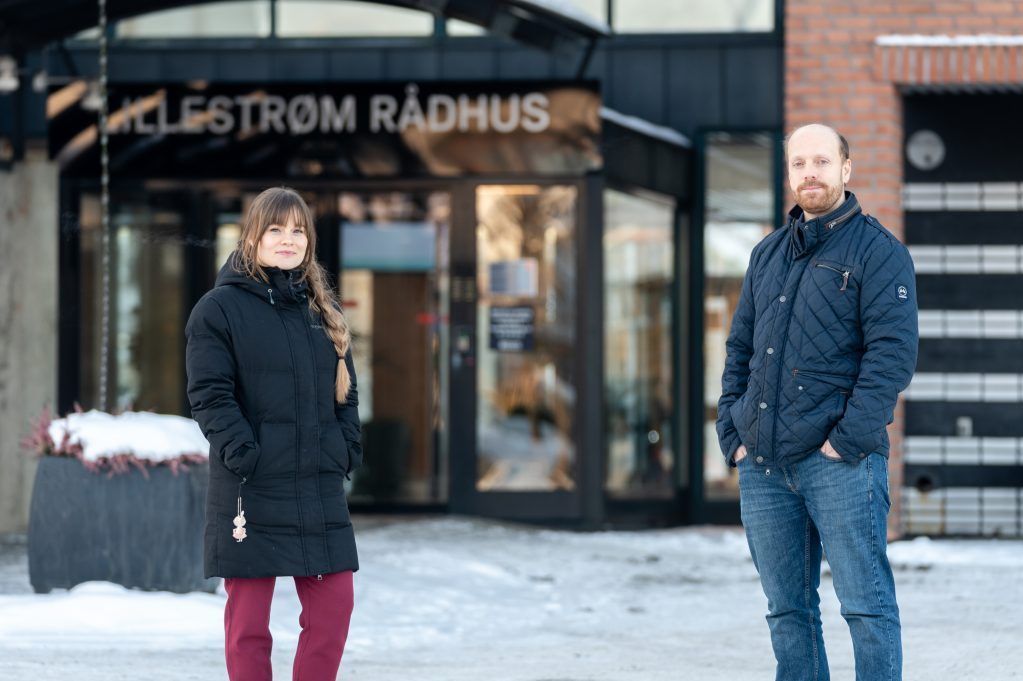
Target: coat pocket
x=278, y=455
x=820, y=403
x=832, y=274
x=741, y=420
x=333, y=450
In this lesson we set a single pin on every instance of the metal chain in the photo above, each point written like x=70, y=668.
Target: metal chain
x=105, y=241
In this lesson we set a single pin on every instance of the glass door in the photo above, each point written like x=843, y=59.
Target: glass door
x=520, y=327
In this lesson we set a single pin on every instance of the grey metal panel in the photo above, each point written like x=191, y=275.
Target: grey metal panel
x=305, y=65
x=143, y=67
x=358, y=64
x=519, y=63
x=413, y=64
x=694, y=89
x=464, y=64
x=192, y=66
x=636, y=86
x=752, y=87
x=246, y=66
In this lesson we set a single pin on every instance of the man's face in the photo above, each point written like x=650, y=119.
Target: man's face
x=817, y=173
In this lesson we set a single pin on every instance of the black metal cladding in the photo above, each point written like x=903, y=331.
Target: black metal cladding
x=963, y=228
x=994, y=419
x=980, y=131
x=971, y=355
x=969, y=292
x=952, y=442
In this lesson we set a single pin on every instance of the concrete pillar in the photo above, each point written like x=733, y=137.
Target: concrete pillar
x=29, y=198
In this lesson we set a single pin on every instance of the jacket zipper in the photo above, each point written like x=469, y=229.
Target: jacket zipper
x=845, y=274
x=270, y=292
x=848, y=214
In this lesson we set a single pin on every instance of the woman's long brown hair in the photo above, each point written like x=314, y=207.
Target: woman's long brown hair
x=273, y=207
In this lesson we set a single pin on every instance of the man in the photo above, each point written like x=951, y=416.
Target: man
x=823, y=340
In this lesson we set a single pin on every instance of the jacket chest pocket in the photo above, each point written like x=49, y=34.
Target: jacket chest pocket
x=832, y=286
x=832, y=274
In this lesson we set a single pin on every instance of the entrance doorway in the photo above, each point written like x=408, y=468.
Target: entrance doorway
x=516, y=357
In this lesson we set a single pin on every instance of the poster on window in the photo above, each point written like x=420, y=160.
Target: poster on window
x=518, y=278
x=512, y=328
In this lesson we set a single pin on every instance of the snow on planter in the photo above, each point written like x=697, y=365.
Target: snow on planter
x=121, y=442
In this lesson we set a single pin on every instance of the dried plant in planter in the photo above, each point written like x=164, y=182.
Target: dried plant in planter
x=41, y=443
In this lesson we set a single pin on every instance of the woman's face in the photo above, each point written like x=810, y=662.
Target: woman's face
x=283, y=246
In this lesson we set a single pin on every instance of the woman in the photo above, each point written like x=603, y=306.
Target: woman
x=272, y=385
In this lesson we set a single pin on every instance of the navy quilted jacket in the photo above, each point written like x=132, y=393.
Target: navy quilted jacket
x=823, y=340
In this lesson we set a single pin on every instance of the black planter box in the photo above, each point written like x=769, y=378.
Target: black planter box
x=143, y=533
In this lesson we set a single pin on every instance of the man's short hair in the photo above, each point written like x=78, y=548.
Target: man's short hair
x=843, y=143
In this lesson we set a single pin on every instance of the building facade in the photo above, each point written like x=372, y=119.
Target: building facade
x=929, y=95
x=540, y=304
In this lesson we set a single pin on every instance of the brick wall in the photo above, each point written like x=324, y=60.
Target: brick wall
x=845, y=63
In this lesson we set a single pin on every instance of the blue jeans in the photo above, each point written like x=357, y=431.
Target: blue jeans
x=789, y=512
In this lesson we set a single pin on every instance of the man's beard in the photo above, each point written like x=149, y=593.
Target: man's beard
x=820, y=201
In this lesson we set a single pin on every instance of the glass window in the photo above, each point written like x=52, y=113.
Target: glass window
x=596, y=9
x=526, y=346
x=393, y=287
x=87, y=34
x=315, y=18
x=639, y=270
x=145, y=365
x=249, y=19
x=693, y=16
x=455, y=27
x=739, y=204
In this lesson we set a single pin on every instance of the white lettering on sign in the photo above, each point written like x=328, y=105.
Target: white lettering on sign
x=304, y=114
x=337, y=118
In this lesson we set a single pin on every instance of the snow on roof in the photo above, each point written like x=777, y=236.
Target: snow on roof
x=979, y=40
x=569, y=10
x=156, y=437
x=665, y=134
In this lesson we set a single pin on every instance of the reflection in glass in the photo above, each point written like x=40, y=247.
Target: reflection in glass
x=229, y=231
x=739, y=206
x=526, y=337
x=249, y=18
x=693, y=16
x=146, y=369
x=586, y=9
x=319, y=18
x=393, y=287
x=638, y=260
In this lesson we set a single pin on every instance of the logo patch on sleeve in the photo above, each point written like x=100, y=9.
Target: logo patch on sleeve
x=903, y=293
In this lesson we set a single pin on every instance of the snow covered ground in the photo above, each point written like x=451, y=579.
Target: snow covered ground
x=458, y=600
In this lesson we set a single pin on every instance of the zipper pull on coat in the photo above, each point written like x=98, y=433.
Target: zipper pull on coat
x=270, y=292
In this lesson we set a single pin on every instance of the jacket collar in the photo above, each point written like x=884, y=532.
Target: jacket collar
x=283, y=287
x=805, y=235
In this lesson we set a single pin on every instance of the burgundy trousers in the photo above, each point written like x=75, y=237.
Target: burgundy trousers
x=327, y=602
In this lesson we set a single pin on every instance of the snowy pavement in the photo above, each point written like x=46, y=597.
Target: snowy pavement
x=457, y=600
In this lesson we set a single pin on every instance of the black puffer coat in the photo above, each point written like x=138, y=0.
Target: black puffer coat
x=261, y=373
